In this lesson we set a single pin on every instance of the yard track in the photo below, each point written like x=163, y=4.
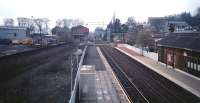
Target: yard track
x=15, y=64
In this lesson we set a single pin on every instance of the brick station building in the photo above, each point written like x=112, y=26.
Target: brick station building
x=182, y=51
x=80, y=32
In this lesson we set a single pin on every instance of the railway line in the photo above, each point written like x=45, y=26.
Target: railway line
x=37, y=76
x=12, y=65
x=141, y=84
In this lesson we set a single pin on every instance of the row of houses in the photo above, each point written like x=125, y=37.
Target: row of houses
x=161, y=25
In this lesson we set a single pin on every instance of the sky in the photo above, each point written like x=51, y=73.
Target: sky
x=94, y=12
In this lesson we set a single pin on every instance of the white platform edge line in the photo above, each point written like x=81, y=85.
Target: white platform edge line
x=183, y=72
x=180, y=83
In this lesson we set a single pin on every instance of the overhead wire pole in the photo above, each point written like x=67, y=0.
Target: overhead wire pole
x=71, y=73
x=95, y=23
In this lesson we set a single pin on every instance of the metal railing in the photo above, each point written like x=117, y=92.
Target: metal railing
x=77, y=77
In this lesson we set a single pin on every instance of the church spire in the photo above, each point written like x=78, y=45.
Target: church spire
x=114, y=17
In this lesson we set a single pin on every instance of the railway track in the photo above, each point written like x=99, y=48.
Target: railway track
x=143, y=85
x=13, y=65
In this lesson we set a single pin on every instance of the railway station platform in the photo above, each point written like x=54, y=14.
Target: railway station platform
x=187, y=82
x=98, y=83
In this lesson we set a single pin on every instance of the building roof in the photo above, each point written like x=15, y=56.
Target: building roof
x=188, y=41
x=11, y=28
x=78, y=27
x=79, y=30
x=178, y=22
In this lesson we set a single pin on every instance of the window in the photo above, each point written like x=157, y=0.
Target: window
x=188, y=64
x=191, y=65
x=195, y=66
x=169, y=58
x=15, y=34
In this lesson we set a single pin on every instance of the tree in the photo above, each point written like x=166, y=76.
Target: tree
x=117, y=26
x=124, y=30
x=8, y=22
x=55, y=30
x=99, y=32
x=59, y=23
x=39, y=24
x=67, y=22
x=77, y=22
x=46, y=23
x=171, y=28
x=62, y=30
x=193, y=21
x=131, y=23
x=30, y=29
x=42, y=26
x=143, y=38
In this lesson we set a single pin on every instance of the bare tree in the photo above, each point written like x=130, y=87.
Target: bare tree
x=28, y=24
x=59, y=23
x=62, y=30
x=30, y=30
x=39, y=24
x=99, y=32
x=143, y=38
x=77, y=22
x=131, y=23
x=46, y=23
x=67, y=22
x=8, y=22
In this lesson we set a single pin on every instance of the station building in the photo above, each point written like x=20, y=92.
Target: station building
x=79, y=32
x=182, y=51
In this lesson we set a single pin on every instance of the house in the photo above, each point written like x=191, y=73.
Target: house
x=79, y=32
x=12, y=33
x=182, y=51
x=161, y=25
x=180, y=26
x=157, y=24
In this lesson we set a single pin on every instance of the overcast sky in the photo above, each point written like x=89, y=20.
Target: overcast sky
x=94, y=10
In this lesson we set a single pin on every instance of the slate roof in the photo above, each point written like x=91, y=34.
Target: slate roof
x=189, y=41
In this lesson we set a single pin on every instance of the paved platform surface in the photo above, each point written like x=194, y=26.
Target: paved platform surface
x=185, y=81
x=102, y=89
x=92, y=58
